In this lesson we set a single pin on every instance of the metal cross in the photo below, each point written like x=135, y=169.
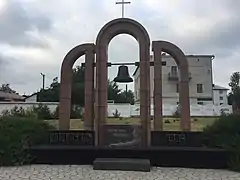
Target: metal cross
x=123, y=3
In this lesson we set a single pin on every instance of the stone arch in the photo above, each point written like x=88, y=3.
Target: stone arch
x=182, y=63
x=109, y=31
x=66, y=82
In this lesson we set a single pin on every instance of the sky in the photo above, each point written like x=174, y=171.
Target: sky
x=35, y=35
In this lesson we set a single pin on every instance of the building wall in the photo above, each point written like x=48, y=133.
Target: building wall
x=200, y=72
x=220, y=97
x=31, y=98
x=127, y=110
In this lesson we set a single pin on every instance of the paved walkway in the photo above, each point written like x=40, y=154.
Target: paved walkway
x=47, y=172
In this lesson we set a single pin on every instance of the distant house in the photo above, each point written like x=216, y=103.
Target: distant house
x=10, y=97
x=200, y=80
x=220, y=95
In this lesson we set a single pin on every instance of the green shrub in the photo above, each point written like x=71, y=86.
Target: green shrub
x=177, y=112
x=55, y=114
x=16, y=135
x=225, y=133
x=18, y=112
x=116, y=114
x=42, y=111
x=76, y=112
x=195, y=119
x=167, y=121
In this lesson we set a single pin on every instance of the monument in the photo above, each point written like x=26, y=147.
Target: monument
x=97, y=120
x=99, y=140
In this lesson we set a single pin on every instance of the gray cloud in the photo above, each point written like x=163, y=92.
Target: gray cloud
x=3, y=62
x=23, y=77
x=16, y=23
x=75, y=22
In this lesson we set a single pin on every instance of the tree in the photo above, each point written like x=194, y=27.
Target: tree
x=130, y=97
x=126, y=97
x=6, y=88
x=113, y=91
x=234, y=95
x=51, y=94
x=234, y=82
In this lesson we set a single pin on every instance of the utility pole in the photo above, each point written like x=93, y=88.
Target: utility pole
x=126, y=92
x=43, y=81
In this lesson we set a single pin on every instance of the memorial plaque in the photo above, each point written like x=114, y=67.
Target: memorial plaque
x=84, y=138
x=176, y=138
x=122, y=136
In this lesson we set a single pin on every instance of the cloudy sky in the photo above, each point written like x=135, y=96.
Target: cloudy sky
x=35, y=35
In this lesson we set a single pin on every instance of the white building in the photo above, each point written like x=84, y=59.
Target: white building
x=200, y=80
x=219, y=95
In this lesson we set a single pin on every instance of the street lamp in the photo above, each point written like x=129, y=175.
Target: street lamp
x=43, y=81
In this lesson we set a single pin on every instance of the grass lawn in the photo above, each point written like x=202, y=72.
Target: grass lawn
x=197, y=124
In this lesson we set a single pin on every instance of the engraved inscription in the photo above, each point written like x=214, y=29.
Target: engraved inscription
x=81, y=138
x=176, y=138
x=122, y=136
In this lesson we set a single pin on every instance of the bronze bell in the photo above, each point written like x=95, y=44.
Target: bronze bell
x=123, y=75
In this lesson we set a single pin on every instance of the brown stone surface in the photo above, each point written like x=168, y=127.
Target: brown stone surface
x=157, y=100
x=66, y=85
x=110, y=30
x=180, y=58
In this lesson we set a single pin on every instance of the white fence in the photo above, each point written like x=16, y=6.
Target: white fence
x=168, y=110
x=10, y=105
x=127, y=110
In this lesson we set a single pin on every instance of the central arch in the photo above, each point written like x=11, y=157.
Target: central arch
x=106, y=34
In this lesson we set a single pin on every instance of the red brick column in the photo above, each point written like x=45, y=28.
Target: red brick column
x=158, y=115
x=89, y=90
x=66, y=82
x=110, y=30
x=182, y=63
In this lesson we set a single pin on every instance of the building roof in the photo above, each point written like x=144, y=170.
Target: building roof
x=190, y=55
x=28, y=96
x=216, y=87
x=10, y=96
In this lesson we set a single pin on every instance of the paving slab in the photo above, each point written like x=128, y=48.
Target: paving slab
x=123, y=164
x=79, y=172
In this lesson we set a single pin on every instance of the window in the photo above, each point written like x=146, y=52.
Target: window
x=174, y=70
x=177, y=88
x=220, y=91
x=199, y=88
x=200, y=103
x=221, y=98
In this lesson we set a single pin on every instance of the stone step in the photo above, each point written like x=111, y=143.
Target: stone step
x=122, y=164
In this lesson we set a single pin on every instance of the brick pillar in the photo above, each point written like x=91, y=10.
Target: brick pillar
x=66, y=84
x=181, y=60
x=65, y=98
x=101, y=92
x=158, y=117
x=89, y=91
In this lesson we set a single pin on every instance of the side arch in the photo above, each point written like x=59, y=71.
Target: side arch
x=66, y=85
x=110, y=30
x=182, y=63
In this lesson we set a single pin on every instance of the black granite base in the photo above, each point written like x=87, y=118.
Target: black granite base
x=189, y=157
x=122, y=164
